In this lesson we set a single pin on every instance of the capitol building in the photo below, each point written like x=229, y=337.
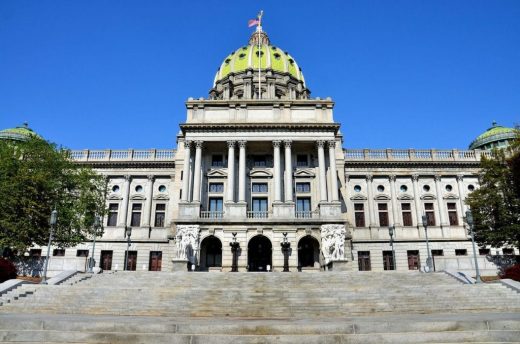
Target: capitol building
x=260, y=181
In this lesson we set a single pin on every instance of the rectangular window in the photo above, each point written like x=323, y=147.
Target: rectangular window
x=430, y=214
x=437, y=253
x=216, y=187
x=160, y=214
x=259, y=161
x=452, y=214
x=508, y=251
x=112, y=214
x=407, y=214
x=131, y=261
x=383, y=214
x=413, y=260
x=155, y=261
x=82, y=253
x=35, y=253
x=302, y=160
x=135, y=221
x=58, y=252
x=259, y=204
x=259, y=187
x=359, y=213
x=364, y=261
x=484, y=251
x=388, y=260
x=303, y=204
x=303, y=187
x=461, y=252
x=106, y=260
x=217, y=160
x=215, y=204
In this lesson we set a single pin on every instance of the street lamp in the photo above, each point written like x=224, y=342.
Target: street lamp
x=235, y=246
x=54, y=220
x=429, y=259
x=128, y=233
x=469, y=221
x=285, y=249
x=391, y=231
x=92, y=261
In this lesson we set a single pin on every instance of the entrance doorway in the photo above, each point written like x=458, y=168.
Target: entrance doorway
x=210, y=253
x=308, y=252
x=155, y=261
x=131, y=262
x=106, y=260
x=259, y=253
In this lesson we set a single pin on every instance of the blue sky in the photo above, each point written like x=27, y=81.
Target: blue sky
x=404, y=73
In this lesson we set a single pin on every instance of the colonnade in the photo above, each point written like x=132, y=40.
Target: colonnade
x=331, y=196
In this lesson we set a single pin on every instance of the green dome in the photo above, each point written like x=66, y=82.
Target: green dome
x=21, y=133
x=496, y=136
x=271, y=57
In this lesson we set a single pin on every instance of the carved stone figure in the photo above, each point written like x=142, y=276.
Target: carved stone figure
x=187, y=242
x=333, y=242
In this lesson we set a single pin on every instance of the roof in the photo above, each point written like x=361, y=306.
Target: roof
x=20, y=133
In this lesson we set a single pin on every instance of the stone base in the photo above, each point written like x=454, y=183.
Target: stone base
x=215, y=269
x=189, y=210
x=283, y=210
x=341, y=265
x=180, y=265
x=330, y=209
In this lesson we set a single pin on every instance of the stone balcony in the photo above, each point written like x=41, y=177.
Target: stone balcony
x=414, y=155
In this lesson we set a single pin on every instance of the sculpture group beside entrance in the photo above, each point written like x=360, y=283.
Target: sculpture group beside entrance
x=333, y=243
x=187, y=245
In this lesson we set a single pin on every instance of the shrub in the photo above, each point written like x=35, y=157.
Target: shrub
x=7, y=270
x=512, y=272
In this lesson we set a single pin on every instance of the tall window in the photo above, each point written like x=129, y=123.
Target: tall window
x=430, y=214
x=364, y=261
x=259, y=187
x=216, y=187
x=359, y=213
x=136, y=215
x=407, y=214
x=303, y=204
x=155, y=261
x=413, y=260
x=217, y=160
x=383, y=214
x=112, y=214
x=452, y=214
x=215, y=204
x=160, y=214
x=388, y=260
x=259, y=204
x=301, y=160
x=303, y=187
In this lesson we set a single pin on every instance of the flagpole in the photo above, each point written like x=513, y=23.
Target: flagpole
x=259, y=30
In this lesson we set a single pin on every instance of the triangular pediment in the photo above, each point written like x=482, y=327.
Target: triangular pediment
x=115, y=197
x=451, y=196
x=428, y=196
x=137, y=197
x=217, y=173
x=406, y=197
x=260, y=173
x=304, y=173
x=358, y=198
x=382, y=197
x=162, y=197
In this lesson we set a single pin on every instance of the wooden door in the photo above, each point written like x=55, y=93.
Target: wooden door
x=155, y=261
x=106, y=260
x=131, y=263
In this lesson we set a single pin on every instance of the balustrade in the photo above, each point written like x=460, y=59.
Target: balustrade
x=413, y=155
x=123, y=155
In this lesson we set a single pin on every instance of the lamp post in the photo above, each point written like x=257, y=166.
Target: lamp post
x=92, y=261
x=128, y=233
x=469, y=221
x=391, y=231
x=429, y=259
x=234, y=249
x=54, y=220
x=285, y=249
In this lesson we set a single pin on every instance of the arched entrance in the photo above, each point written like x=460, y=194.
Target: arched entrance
x=308, y=252
x=259, y=253
x=210, y=253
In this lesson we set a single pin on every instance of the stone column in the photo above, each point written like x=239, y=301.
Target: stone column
x=288, y=172
x=231, y=172
x=370, y=203
x=186, y=172
x=440, y=201
x=242, y=171
x=333, y=172
x=126, y=200
x=395, y=211
x=417, y=199
x=322, y=172
x=277, y=172
x=147, y=211
x=197, y=171
x=460, y=187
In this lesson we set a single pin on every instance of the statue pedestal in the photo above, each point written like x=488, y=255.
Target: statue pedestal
x=341, y=265
x=180, y=265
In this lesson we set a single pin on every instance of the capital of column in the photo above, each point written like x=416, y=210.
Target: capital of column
x=437, y=177
x=231, y=144
x=198, y=144
x=287, y=143
x=320, y=143
x=347, y=177
x=187, y=144
x=242, y=144
x=127, y=177
x=392, y=177
x=369, y=177
x=415, y=177
x=331, y=144
x=151, y=177
x=276, y=143
x=460, y=177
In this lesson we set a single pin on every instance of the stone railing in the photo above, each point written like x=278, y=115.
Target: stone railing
x=123, y=155
x=307, y=214
x=257, y=214
x=413, y=155
x=211, y=214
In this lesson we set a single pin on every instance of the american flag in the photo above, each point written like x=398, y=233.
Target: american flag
x=253, y=22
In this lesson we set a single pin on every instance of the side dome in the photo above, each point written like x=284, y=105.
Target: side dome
x=496, y=136
x=20, y=133
x=259, y=66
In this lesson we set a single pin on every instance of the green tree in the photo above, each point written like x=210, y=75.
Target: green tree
x=496, y=204
x=37, y=177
